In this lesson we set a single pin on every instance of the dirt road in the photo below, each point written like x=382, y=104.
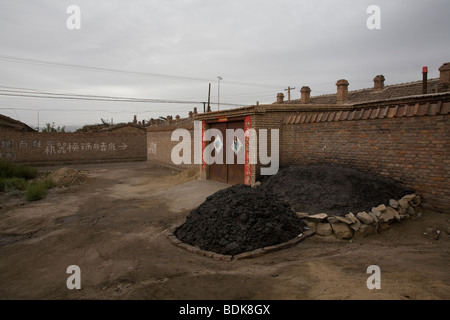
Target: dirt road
x=113, y=227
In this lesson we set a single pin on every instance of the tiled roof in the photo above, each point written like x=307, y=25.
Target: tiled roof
x=369, y=94
x=397, y=111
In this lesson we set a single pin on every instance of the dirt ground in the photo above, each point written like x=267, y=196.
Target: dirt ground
x=113, y=225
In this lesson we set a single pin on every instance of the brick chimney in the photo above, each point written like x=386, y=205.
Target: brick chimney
x=378, y=83
x=342, y=91
x=280, y=97
x=305, y=94
x=444, y=77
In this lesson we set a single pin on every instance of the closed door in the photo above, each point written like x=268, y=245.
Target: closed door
x=218, y=171
x=232, y=173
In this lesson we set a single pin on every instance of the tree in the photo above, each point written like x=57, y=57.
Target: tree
x=51, y=128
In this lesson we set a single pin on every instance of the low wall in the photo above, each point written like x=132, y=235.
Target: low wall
x=47, y=148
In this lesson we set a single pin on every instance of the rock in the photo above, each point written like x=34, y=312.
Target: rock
x=352, y=217
x=381, y=208
x=410, y=211
x=302, y=215
x=317, y=217
x=256, y=184
x=356, y=225
x=342, y=230
x=364, y=217
x=376, y=212
x=404, y=216
x=366, y=230
x=343, y=219
x=416, y=201
x=396, y=215
x=409, y=197
x=311, y=225
x=388, y=215
x=324, y=229
x=393, y=203
x=374, y=216
x=403, y=203
x=332, y=220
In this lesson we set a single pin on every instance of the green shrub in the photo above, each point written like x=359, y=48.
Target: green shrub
x=17, y=170
x=49, y=183
x=12, y=184
x=36, y=191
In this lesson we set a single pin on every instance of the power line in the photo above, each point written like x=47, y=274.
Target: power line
x=97, y=69
x=64, y=96
x=118, y=71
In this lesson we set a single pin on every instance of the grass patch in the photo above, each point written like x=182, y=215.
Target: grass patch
x=49, y=183
x=17, y=170
x=36, y=190
x=13, y=178
x=12, y=184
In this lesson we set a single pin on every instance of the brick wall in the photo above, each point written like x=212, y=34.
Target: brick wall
x=46, y=148
x=159, y=147
x=410, y=144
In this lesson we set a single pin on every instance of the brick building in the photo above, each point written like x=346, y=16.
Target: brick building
x=397, y=131
x=12, y=125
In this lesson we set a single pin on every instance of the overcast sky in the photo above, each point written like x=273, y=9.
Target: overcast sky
x=173, y=49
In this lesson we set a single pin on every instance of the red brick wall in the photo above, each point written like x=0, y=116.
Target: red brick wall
x=413, y=149
x=45, y=148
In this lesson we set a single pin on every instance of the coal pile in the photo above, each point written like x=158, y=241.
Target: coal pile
x=240, y=219
x=331, y=189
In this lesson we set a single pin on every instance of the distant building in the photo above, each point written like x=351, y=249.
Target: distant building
x=9, y=124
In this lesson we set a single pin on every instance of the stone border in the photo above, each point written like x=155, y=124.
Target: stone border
x=363, y=223
x=244, y=255
x=343, y=227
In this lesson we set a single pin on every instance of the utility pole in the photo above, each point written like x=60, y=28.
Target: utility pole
x=218, y=93
x=289, y=92
x=209, y=98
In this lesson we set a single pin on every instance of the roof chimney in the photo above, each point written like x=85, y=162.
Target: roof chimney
x=378, y=83
x=444, y=77
x=280, y=97
x=342, y=91
x=424, y=80
x=305, y=95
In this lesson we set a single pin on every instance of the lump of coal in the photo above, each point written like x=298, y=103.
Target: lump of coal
x=331, y=189
x=240, y=219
